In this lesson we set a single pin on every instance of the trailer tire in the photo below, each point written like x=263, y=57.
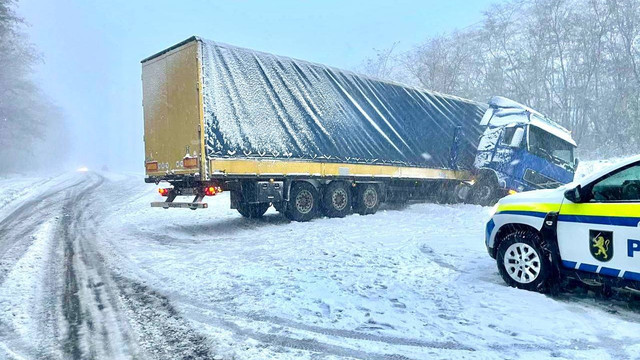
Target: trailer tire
x=523, y=263
x=367, y=199
x=336, y=202
x=461, y=193
x=303, y=203
x=253, y=211
x=484, y=192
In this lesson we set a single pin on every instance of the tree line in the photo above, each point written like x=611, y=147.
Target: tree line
x=576, y=61
x=31, y=127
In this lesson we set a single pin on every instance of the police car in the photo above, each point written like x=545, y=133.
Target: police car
x=589, y=229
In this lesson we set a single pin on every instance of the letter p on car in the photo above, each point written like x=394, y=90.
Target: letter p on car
x=632, y=247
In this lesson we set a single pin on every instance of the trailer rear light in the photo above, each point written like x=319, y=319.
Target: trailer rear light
x=164, y=192
x=152, y=166
x=210, y=190
x=190, y=162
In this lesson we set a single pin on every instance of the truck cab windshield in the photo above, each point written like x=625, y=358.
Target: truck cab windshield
x=548, y=146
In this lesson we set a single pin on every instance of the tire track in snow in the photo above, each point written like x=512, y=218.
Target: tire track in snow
x=305, y=344
x=18, y=227
x=223, y=318
x=110, y=316
x=26, y=243
x=81, y=310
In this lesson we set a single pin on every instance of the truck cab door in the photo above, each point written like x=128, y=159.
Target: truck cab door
x=601, y=232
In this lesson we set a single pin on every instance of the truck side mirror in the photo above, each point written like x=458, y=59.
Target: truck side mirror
x=518, y=135
x=576, y=162
x=574, y=195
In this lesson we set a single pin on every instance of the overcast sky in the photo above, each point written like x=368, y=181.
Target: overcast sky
x=92, y=50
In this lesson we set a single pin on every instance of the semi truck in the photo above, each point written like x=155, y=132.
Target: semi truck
x=310, y=139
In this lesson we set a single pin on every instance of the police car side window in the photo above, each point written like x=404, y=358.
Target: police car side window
x=621, y=186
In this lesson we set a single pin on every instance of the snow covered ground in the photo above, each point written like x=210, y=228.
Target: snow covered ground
x=406, y=283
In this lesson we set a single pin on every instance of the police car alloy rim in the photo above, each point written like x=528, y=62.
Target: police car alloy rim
x=522, y=263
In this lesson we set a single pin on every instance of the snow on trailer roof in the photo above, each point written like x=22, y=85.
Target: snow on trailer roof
x=390, y=82
x=262, y=105
x=360, y=75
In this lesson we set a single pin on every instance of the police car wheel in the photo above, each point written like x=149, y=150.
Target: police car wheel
x=522, y=262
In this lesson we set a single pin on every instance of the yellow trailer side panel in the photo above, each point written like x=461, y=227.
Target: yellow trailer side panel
x=172, y=109
x=231, y=167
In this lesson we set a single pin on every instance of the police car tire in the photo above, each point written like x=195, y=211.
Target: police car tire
x=532, y=240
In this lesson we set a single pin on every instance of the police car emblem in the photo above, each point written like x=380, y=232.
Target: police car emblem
x=601, y=244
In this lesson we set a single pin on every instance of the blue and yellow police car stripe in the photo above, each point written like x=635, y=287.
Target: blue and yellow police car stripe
x=618, y=214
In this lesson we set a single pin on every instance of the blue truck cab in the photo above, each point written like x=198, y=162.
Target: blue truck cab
x=520, y=150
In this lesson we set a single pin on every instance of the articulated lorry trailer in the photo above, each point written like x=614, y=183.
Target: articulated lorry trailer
x=310, y=139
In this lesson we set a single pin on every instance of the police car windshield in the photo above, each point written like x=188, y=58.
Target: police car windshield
x=548, y=146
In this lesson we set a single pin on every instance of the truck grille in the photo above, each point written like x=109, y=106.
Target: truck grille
x=540, y=181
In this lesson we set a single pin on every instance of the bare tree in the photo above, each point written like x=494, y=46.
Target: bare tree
x=578, y=61
x=382, y=65
x=31, y=127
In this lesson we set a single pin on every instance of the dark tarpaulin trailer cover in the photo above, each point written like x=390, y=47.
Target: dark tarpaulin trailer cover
x=259, y=105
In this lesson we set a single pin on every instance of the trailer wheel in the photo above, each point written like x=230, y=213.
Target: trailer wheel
x=303, y=202
x=253, y=211
x=367, y=200
x=484, y=192
x=461, y=193
x=523, y=263
x=336, y=201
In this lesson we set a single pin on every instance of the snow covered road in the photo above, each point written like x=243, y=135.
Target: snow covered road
x=89, y=270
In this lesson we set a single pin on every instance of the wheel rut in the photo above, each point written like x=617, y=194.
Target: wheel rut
x=108, y=315
x=82, y=308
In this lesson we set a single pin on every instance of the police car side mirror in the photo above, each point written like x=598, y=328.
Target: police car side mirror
x=574, y=195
